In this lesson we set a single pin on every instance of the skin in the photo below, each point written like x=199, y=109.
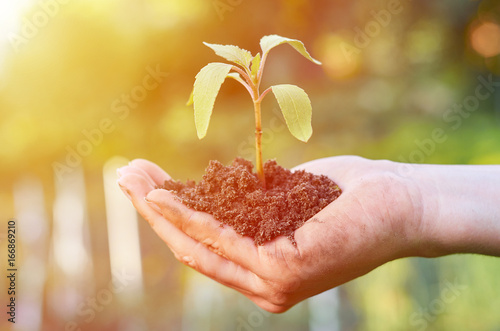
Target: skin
x=387, y=211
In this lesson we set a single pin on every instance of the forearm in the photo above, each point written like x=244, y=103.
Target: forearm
x=460, y=209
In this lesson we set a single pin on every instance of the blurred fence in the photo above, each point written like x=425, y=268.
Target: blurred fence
x=63, y=247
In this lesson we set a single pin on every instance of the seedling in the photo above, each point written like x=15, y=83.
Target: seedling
x=247, y=70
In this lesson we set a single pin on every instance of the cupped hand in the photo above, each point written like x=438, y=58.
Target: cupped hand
x=375, y=220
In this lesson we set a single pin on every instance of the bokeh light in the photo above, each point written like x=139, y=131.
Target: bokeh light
x=340, y=58
x=485, y=39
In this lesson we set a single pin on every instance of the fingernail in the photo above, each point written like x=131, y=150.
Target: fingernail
x=119, y=171
x=124, y=189
x=153, y=205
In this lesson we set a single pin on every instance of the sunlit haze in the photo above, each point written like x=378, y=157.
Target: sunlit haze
x=10, y=19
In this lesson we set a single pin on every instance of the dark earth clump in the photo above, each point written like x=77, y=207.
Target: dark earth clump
x=234, y=196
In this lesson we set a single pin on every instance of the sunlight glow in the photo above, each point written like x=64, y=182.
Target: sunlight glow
x=10, y=21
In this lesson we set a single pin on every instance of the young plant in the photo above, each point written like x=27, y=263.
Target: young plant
x=247, y=70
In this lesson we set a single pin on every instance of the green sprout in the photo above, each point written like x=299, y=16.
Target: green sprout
x=247, y=70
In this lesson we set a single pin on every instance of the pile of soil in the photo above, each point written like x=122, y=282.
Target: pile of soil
x=234, y=196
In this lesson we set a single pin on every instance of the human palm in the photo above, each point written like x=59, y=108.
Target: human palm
x=367, y=226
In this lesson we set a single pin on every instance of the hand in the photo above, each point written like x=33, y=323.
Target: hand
x=376, y=219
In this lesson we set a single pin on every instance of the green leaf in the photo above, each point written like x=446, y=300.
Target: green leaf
x=255, y=66
x=232, y=53
x=271, y=41
x=296, y=108
x=206, y=87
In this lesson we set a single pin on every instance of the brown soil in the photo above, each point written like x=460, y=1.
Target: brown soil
x=233, y=195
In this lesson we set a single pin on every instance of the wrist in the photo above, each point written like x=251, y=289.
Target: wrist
x=460, y=210
x=409, y=207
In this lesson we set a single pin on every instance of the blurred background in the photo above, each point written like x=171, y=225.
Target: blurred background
x=87, y=85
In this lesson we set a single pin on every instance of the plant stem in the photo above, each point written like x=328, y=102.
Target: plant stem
x=245, y=76
x=258, y=143
x=258, y=125
x=264, y=94
x=253, y=88
x=261, y=69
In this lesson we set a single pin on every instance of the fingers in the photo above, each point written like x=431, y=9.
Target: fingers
x=202, y=227
x=154, y=171
x=127, y=170
x=197, y=240
x=186, y=249
x=265, y=304
x=136, y=185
